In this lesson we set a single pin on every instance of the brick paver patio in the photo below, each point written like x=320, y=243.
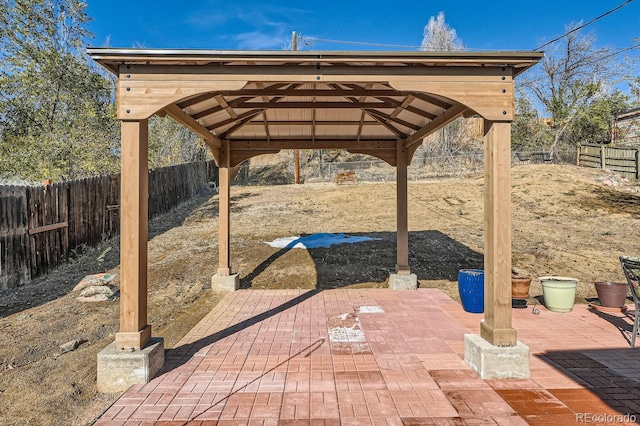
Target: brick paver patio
x=375, y=356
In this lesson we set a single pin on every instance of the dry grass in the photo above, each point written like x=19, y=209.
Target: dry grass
x=564, y=223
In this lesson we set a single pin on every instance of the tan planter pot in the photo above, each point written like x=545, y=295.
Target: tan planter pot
x=520, y=287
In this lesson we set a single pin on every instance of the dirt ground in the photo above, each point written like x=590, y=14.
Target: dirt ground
x=566, y=221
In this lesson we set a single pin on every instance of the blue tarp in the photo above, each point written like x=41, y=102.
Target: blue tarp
x=320, y=240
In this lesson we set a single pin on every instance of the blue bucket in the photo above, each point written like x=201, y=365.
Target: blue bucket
x=471, y=289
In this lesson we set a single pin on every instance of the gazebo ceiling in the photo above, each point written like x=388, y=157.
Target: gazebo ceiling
x=307, y=99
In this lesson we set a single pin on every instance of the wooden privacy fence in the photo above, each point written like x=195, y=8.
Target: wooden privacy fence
x=622, y=160
x=39, y=226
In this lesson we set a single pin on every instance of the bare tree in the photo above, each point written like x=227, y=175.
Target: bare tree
x=456, y=137
x=439, y=36
x=635, y=90
x=572, y=75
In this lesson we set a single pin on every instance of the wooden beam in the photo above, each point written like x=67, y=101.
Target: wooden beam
x=259, y=144
x=240, y=123
x=393, y=119
x=383, y=122
x=252, y=113
x=420, y=113
x=264, y=114
x=491, y=96
x=450, y=115
x=367, y=86
x=145, y=89
x=196, y=100
x=307, y=73
x=317, y=123
x=431, y=100
x=140, y=98
x=244, y=120
x=223, y=103
x=338, y=92
x=403, y=106
x=238, y=156
x=402, y=215
x=134, y=331
x=400, y=106
x=177, y=114
x=46, y=228
x=205, y=112
x=311, y=105
x=361, y=124
x=224, y=211
x=496, y=327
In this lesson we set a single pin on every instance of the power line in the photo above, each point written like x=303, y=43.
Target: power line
x=593, y=60
x=597, y=18
x=361, y=43
x=309, y=41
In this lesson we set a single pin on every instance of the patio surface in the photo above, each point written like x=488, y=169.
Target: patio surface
x=377, y=356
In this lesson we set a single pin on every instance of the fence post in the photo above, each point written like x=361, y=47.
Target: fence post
x=637, y=163
x=578, y=154
x=603, y=157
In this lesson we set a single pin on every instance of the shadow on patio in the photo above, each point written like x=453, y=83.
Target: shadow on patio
x=609, y=389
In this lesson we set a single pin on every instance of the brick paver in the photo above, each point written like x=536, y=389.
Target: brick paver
x=375, y=356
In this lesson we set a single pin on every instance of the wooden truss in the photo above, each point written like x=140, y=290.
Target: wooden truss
x=383, y=104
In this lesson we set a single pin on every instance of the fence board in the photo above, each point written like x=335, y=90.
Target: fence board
x=622, y=160
x=66, y=215
x=14, y=258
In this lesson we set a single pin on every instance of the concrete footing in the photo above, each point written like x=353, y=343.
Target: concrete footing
x=225, y=282
x=403, y=281
x=494, y=362
x=119, y=369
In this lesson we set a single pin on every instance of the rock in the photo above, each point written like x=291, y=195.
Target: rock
x=70, y=346
x=98, y=289
x=96, y=298
x=95, y=279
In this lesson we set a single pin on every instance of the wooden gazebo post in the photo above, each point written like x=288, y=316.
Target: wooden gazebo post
x=496, y=327
x=224, y=279
x=496, y=353
x=134, y=210
x=402, y=265
x=403, y=279
x=133, y=357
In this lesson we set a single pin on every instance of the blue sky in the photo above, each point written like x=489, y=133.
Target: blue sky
x=232, y=25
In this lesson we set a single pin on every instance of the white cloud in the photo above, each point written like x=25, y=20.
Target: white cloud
x=250, y=26
x=257, y=40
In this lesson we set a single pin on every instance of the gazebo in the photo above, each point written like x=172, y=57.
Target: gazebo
x=248, y=103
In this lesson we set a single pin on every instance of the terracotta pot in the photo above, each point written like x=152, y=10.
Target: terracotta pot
x=520, y=287
x=611, y=295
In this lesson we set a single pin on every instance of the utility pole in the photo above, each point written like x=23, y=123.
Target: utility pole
x=296, y=152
